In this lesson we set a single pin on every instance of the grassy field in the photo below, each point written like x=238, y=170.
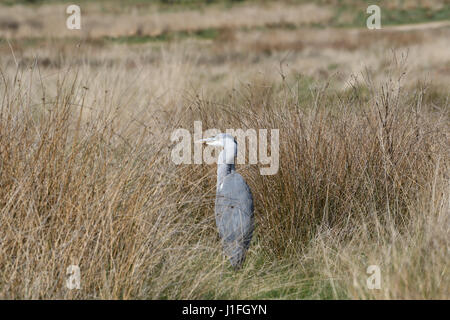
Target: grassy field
x=86, y=176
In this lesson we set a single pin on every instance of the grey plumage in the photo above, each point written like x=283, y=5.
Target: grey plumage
x=234, y=203
x=234, y=217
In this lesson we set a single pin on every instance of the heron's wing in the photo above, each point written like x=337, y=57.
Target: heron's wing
x=234, y=216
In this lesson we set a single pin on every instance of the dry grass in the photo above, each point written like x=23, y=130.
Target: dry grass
x=103, y=19
x=363, y=180
x=86, y=176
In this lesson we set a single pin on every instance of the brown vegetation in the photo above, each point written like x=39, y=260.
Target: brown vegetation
x=86, y=176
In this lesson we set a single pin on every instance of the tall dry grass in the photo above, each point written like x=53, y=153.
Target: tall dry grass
x=87, y=179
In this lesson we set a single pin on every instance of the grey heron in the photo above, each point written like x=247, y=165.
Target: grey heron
x=234, y=202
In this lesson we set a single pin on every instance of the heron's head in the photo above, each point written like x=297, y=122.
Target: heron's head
x=220, y=140
x=229, y=145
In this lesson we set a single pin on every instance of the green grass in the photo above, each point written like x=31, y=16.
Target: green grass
x=203, y=34
x=162, y=3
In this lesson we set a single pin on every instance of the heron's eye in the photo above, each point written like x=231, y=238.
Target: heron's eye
x=232, y=207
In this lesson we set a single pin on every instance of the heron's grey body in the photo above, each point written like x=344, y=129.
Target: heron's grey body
x=234, y=216
x=234, y=203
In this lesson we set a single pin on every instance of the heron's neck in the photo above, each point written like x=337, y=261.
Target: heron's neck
x=225, y=162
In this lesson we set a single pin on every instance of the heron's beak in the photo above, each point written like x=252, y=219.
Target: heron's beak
x=207, y=140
